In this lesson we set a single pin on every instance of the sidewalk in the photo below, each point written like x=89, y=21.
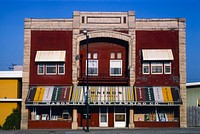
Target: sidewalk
x=107, y=131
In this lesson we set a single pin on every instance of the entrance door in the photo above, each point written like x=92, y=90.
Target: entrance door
x=120, y=117
x=103, y=117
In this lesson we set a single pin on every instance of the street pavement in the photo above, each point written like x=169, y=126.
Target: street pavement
x=107, y=131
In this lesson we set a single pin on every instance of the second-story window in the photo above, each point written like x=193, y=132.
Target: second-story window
x=92, y=67
x=51, y=68
x=40, y=69
x=92, y=64
x=167, y=67
x=115, y=67
x=145, y=68
x=61, y=68
x=156, y=68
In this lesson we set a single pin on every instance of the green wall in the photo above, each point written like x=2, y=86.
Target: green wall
x=193, y=93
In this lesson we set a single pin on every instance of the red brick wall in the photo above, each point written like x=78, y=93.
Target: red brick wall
x=157, y=40
x=51, y=40
x=104, y=49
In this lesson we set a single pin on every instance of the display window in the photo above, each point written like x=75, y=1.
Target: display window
x=156, y=114
x=50, y=113
x=120, y=117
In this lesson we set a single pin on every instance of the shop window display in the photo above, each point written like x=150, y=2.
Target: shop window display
x=50, y=113
x=156, y=114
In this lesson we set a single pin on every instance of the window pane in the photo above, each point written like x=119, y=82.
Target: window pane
x=51, y=68
x=92, y=67
x=156, y=68
x=112, y=55
x=167, y=68
x=89, y=55
x=120, y=117
x=115, y=70
x=95, y=56
x=61, y=68
x=92, y=70
x=146, y=69
x=119, y=55
x=103, y=117
x=116, y=67
x=40, y=68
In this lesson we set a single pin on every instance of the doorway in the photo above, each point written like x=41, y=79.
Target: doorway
x=103, y=116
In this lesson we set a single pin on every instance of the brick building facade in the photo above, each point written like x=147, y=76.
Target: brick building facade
x=137, y=71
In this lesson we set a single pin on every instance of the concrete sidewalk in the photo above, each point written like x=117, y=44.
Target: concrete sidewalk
x=107, y=131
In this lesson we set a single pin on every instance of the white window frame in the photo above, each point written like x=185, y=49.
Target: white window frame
x=95, y=55
x=51, y=65
x=38, y=69
x=91, y=67
x=119, y=55
x=112, y=64
x=63, y=66
x=103, y=124
x=145, y=64
x=167, y=64
x=156, y=64
x=89, y=55
x=119, y=124
x=112, y=55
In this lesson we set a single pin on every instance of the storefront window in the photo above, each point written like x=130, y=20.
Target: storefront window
x=50, y=113
x=157, y=114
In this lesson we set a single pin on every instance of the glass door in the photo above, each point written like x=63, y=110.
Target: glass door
x=120, y=117
x=103, y=117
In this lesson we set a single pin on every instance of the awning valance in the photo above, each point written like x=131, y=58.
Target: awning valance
x=50, y=56
x=48, y=95
x=157, y=54
x=158, y=95
x=103, y=95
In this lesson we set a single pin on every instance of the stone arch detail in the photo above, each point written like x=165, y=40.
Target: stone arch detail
x=105, y=33
x=96, y=34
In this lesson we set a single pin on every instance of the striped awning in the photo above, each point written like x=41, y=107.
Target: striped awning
x=50, y=56
x=158, y=95
x=103, y=95
x=157, y=54
x=49, y=95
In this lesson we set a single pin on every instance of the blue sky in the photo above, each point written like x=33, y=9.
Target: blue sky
x=13, y=12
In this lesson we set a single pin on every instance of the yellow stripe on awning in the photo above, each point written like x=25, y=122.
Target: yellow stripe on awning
x=39, y=94
x=167, y=94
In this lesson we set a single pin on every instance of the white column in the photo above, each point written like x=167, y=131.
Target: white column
x=131, y=118
x=75, y=123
